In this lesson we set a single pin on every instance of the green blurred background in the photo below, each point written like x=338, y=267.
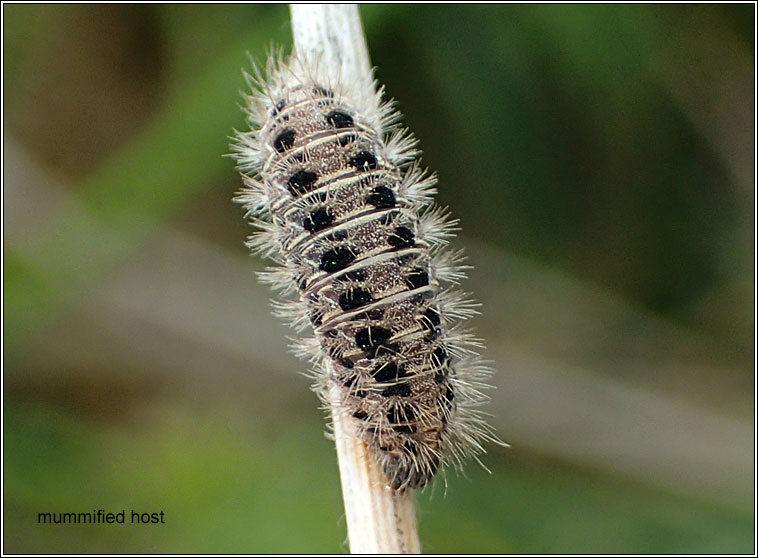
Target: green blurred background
x=600, y=159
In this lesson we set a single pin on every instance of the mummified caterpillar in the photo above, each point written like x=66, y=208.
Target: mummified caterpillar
x=345, y=210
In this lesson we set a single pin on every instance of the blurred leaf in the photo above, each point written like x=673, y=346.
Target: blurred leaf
x=229, y=484
x=122, y=203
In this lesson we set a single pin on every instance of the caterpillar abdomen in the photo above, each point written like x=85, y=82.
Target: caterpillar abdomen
x=347, y=213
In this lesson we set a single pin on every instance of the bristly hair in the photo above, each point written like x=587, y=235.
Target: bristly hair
x=341, y=204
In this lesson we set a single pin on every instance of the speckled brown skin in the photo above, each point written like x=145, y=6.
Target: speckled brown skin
x=363, y=269
x=342, y=205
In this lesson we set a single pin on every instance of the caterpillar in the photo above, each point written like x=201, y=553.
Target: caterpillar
x=344, y=208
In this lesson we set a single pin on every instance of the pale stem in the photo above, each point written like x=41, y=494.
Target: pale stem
x=380, y=520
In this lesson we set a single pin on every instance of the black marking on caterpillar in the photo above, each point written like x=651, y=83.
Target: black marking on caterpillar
x=344, y=207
